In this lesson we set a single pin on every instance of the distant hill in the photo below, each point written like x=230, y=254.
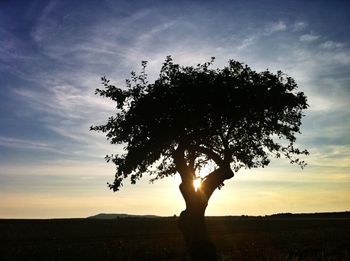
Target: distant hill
x=320, y=215
x=115, y=216
x=344, y=214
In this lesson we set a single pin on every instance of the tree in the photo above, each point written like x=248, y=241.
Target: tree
x=194, y=116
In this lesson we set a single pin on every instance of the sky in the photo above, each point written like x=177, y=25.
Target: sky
x=52, y=57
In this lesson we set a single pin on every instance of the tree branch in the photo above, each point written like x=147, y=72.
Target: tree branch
x=210, y=153
x=200, y=162
x=215, y=180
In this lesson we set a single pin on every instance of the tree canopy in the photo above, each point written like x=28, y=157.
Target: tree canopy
x=191, y=116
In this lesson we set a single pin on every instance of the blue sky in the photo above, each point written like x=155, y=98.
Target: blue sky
x=53, y=53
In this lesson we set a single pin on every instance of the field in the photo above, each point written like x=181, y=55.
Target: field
x=159, y=239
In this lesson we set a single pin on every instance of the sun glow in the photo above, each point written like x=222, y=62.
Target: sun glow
x=197, y=182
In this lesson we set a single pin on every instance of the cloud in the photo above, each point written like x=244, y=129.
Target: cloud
x=308, y=38
x=271, y=28
x=27, y=144
x=250, y=40
x=267, y=30
x=331, y=45
x=299, y=26
x=46, y=24
x=12, y=50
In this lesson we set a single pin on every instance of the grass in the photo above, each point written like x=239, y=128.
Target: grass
x=159, y=239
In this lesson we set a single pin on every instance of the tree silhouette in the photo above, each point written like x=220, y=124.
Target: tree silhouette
x=194, y=116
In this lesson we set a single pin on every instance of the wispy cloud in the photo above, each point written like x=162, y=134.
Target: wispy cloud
x=331, y=45
x=309, y=38
x=271, y=28
x=266, y=31
x=299, y=26
x=27, y=144
x=250, y=40
x=45, y=23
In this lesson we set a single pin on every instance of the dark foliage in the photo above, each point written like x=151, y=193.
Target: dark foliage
x=232, y=116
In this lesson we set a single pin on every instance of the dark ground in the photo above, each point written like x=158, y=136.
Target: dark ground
x=277, y=238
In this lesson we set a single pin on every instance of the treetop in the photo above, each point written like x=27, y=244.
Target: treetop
x=232, y=116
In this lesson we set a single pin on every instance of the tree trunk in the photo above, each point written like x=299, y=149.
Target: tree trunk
x=191, y=222
x=192, y=225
